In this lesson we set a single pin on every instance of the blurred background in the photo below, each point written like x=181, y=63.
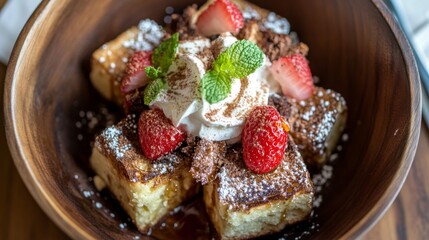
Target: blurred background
x=413, y=16
x=408, y=218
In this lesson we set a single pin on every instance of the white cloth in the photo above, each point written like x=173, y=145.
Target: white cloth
x=13, y=17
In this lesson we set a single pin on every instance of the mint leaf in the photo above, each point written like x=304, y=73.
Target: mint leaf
x=153, y=89
x=240, y=59
x=165, y=53
x=215, y=86
x=162, y=58
x=152, y=72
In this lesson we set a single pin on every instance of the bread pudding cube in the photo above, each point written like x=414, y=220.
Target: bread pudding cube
x=242, y=204
x=146, y=189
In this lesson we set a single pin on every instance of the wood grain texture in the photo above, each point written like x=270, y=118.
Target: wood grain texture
x=353, y=50
x=408, y=216
x=20, y=216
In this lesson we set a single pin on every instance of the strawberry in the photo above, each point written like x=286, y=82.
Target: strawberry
x=135, y=75
x=294, y=76
x=157, y=135
x=218, y=17
x=264, y=139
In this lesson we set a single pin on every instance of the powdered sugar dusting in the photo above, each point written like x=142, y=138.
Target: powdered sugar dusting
x=250, y=13
x=112, y=135
x=313, y=120
x=240, y=188
x=92, y=121
x=149, y=36
x=120, y=143
x=276, y=24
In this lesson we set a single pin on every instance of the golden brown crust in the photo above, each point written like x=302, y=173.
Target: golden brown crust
x=240, y=188
x=121, y=145
x=314, y=120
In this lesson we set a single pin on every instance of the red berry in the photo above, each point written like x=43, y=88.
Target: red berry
x=219, y=17
x=157, y=135
x=135, y=75
x=294, y=76
x=264, y=139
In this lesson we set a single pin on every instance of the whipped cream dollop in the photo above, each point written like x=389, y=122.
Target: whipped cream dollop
x=183, y=104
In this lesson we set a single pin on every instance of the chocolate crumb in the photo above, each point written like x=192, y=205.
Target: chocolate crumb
x=278, y=45
x=182, y=23
x=208, y=157
x=251, y=31
x=280, y=102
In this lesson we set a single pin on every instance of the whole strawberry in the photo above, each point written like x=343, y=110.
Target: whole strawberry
x=157, y=135
x=264, y=139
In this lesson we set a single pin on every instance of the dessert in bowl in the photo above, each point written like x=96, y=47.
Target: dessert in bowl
x=69, y=156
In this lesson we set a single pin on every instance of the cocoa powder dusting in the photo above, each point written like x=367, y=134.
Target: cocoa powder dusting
x=231, y=106
x=207, y=159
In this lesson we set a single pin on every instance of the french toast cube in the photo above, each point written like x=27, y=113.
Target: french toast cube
x=108, y=62
x=242, y=204
x=317, y=124
x=147, y=190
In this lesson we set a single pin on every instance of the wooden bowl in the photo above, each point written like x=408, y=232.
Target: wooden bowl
x=356, y=47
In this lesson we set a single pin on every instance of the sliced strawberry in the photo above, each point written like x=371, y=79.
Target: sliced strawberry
x=135, y=75
x=157, y=135
x=264, y=139
x=294, y=76
x=219, y=17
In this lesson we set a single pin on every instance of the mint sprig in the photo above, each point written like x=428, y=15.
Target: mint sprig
x=162, y=58
x=238, y=61
x=152, y=73
x=216, y=86
x=153, y=89
x=165, y=53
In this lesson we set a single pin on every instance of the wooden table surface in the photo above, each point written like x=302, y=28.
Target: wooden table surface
x=22, y=218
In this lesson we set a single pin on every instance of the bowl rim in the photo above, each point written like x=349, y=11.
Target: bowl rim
x=56, y=212
x=390, y=194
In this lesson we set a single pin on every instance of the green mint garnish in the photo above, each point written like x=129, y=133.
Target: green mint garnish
x=152, y=72
x=162, y=58
x=216, y=86
x=238, y=61
x=153, y=89
x=165, y=53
